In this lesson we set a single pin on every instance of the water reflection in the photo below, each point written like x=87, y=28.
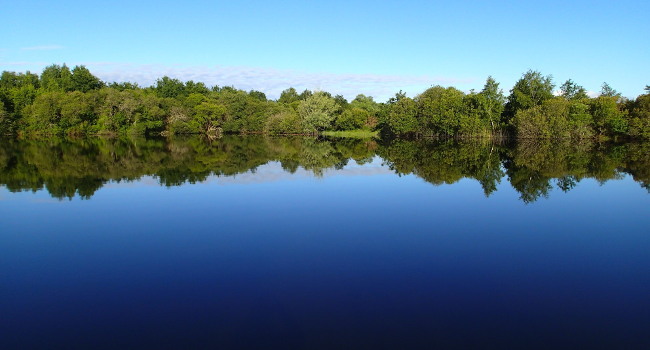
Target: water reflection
x=69, y=167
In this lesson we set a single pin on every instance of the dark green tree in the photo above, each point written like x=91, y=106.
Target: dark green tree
x=440, y=110
x=168, y=87
x=289, y=96
x=196, y=88
x=57, y=78
x=531, y=90
x=83, y=80
x=401, y=117
x=572, y=91
x=258, y=95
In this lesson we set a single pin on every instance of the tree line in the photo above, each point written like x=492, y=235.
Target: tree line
x=64, y=101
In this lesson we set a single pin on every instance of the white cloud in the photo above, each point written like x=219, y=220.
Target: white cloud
x=273, y=81
x=42, y=48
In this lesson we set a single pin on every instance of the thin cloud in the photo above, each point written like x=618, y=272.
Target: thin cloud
x=23, y=63
x=273, y=81
x=42, y=48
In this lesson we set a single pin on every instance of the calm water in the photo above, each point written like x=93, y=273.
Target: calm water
x=253, y=242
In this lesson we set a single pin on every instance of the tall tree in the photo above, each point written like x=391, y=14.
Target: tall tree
x=317, y=112
x=168, y=87
x=608, y=91
x=531, y=90
x=57, y=78
x=257, y=94
x=401, y=116
x=83, y=80
x=572, y=91
x=288, y=96
x=196, y=88
x=493, y=102
x=440, y=109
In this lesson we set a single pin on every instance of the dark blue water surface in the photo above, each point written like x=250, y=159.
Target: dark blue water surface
x=370, y=249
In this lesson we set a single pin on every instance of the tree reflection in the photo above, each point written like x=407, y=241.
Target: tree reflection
x=79, y=167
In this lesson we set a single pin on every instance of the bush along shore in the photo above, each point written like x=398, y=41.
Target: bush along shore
x=64, y=101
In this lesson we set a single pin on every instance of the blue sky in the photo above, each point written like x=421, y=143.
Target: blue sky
x=343, y=47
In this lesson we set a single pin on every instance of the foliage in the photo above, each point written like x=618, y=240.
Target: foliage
x=639, y=119
x=608, y=118
x=6, y=124
x=67, y=167
x=75, y=102
x=287, y=122
x=168, y=87
x=608, y=91
x=357, y=134
x=572, y=91
x=530, y=91
x=440, y=110
x=548, y=120
x=83, y=80
x=401, y=117
x=317, y=112
x=492, y=103
x=353, y=118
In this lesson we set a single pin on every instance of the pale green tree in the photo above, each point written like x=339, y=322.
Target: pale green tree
x=317, y=112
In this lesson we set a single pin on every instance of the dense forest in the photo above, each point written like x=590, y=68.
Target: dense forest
x=64, y=101
x=67, y=167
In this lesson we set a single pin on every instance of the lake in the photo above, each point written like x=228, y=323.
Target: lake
x=293, y=242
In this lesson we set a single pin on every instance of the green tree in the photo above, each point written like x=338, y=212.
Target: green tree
x=352, y=118
x=317, y=112
x=76, y=113
x=366, y=103
x=83, y=80
x=57, y=78
x=492, y=103
x=6, y=124
x=640, y=117
x=124, y=86
x=531, y=90
x=580, y=120
x=257, y=94
x=548, y=120
x=308, y=93
x=149, y=115
x=10, y=80
x=44, y=114
x=196, y=88
x=289, y=96
x=401, y=116
x=341, y=102
x=168, y=87
x=209, y=116
x=285, y=122
x=572, y=91
x=116, y=111
x=608, y=91
x=608, y=118
x=398, y=96
x=440, y=109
